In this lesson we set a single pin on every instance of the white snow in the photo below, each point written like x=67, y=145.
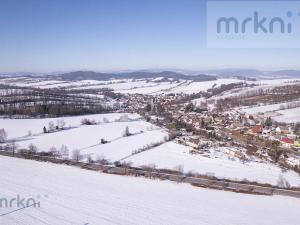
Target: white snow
x=17, y=128
x=196, y=87
x=285, y=115
x=262, y=85
x=262, y=109
x=124, y=147
x=171, y=155
x=71, y=196
x=288, y=115
x=85, y=137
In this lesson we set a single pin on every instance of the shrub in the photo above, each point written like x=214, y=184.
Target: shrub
x=179, y=168
x=87, y=121
x=32, y=149
x=102, y=160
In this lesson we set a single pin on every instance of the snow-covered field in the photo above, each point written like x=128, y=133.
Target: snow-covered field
x=171, y=155
x=40, y=83
x=142, y=86
x=123, y=147
x=70, y=195
x=86, y=138
x=187, y=87
x=17, y=128
x=262, y=108
x=276, y=111
x=150, y=86
x=289, y=115
x=261, y=85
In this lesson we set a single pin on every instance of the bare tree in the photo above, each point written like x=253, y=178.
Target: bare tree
x=89, y=159
x=61, y=124
x=53, y=151
x=32, y=149
x=3, y=136
x=297, y=128
x=102, y=160
x=13, y=146
x=76, y=155
x=282, y=182
x=64, y=151
x=179, y=168
x=51, y=126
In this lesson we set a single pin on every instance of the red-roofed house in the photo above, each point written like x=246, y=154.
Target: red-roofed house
x=287, y=140
x=257, y=129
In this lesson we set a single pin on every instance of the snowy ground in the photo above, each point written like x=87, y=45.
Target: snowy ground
x=261, y=85
x=276, y=111
x=123, y=147
x=86, y=138
x=150, y=86
x=17, y=128
x=142, y=86
x=289, y=115
x=171, y=155
x=71, y=196
x=262, y=108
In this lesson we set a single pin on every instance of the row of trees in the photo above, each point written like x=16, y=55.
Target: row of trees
x=53, y=109
x=54, y=102
x=60, y=124
x=263, y=95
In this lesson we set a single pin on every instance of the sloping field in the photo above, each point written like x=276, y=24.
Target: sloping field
x=172, y=155
x=17, y=128
x=288, y=115
x=71, y=196
x=86, y=138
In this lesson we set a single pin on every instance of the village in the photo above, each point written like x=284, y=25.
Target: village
x=204, y=127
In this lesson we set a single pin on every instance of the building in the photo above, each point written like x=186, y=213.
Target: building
x=257, y=129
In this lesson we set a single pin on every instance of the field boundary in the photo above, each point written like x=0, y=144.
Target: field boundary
x=175, y=176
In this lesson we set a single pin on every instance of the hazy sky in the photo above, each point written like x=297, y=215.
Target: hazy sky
x=61, y=35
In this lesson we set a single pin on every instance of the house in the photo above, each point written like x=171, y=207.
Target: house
x=287, y=140
x=285, y=131
x=257, y=129
x=278, y=130
x=266, y=131
x=292, y=136
x=192, y=144
x=210, y=128
x=297, y=144
x=248, y=122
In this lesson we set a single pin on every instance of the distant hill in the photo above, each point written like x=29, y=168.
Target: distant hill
x=90, y=75
x=203, y=75
x=251, y=73
x=288, y=73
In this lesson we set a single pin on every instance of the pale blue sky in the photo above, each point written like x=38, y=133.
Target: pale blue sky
x=102, y=35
